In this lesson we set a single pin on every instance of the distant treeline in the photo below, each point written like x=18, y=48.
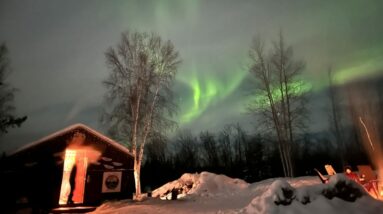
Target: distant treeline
x=237, y=154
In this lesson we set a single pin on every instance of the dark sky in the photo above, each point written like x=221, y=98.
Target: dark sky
x=57, y=53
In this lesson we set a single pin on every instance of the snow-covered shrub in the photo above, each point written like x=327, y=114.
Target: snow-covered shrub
x=283, y=193
x=280, y=192
x=342, y=187
x=303, y=196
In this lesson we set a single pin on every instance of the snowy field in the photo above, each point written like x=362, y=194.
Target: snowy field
x=210, y=193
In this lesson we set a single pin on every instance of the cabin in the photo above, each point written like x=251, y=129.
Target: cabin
x=76, y=166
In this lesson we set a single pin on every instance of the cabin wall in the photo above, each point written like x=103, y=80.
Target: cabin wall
x=41, y=183
x=93, y=189
x=37, y=186
x=36, y=172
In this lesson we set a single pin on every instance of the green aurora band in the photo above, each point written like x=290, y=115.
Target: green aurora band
x=261, y=101
x=206, y=90
x=208, y=86
x=363, y=64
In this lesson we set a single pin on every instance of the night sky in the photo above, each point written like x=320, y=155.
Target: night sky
x=57, y=54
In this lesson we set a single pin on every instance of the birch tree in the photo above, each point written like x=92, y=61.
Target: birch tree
x=279, y=99
x=142, y=68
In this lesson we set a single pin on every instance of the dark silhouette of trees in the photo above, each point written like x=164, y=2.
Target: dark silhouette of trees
x=259, y=160
x=158, y=164
x=209, y=149
x=225, y=146
x=7, y=118
x=187, y=155
x=335, y=118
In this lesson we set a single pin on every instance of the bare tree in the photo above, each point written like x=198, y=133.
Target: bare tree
x=140, y=100
x=279, y=97
x=225, y=148
x=209, y=148
x=335, y=119
x=239, y=142
x=156, y=150
x=7, y=119
x=186, y=149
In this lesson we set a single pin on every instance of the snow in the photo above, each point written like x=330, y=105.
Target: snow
x=341, y=195
x=205, y=184
x=68, y=129
x=211, y=193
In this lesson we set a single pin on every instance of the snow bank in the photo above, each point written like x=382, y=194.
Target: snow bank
x=212, y=184
x=203, y=184
x=340, y=195
x=210, y=193
x=185, y=183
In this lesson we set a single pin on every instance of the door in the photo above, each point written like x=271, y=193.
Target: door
x=74, y=176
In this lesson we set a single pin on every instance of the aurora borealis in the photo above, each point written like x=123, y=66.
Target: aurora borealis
x=56, y=49
x=206, y=90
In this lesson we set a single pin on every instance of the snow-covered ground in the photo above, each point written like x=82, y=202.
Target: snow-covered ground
x=210, y=193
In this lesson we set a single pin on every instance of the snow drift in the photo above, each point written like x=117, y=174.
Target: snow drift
x=211, y=193
x=203, y=184
x=340, y=195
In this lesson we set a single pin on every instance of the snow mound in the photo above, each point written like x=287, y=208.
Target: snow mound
x=209, y=183
x=334, y=197
x=203, y=184
x=210, y=193
x=185, y=183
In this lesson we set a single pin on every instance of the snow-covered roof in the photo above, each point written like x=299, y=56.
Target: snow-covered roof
x=70, y=128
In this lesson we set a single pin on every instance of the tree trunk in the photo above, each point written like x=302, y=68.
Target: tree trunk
x=137, y=173
x=282, y=156
x=137, y=163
